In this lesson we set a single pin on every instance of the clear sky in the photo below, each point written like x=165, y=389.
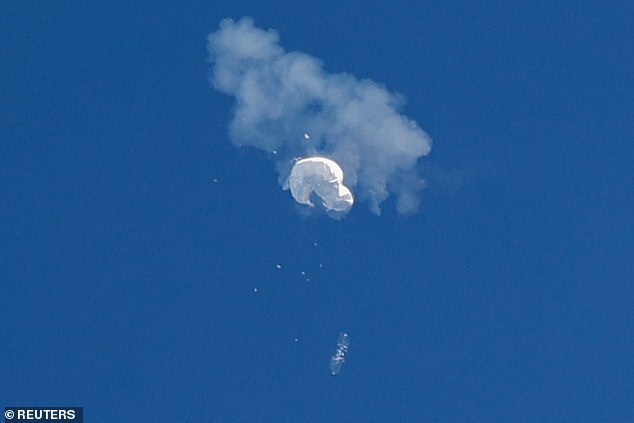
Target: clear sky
x=138, y=245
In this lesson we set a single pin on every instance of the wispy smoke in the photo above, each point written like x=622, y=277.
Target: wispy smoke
x=280, y=96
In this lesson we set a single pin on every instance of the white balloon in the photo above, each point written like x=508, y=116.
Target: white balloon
x=321, y=176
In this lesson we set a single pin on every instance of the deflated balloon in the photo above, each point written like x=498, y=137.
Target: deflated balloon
x=324, y=178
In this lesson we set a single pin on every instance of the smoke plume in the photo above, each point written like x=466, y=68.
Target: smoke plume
x=288, y=106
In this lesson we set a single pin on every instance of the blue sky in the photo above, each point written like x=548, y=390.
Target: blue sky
x=128, y=273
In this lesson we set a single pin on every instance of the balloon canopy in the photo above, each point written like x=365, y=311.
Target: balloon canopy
x=324, y=178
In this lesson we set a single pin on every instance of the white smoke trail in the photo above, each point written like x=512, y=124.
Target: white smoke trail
x=281, y=97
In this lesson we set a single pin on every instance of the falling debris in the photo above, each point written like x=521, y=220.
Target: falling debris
x=306, y=136
x=279, y=266
x=322, y=177
x=337, y=360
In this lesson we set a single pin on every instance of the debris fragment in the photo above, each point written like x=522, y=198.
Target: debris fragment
x=337, y=360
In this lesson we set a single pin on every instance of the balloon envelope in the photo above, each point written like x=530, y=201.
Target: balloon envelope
x=324, y=178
